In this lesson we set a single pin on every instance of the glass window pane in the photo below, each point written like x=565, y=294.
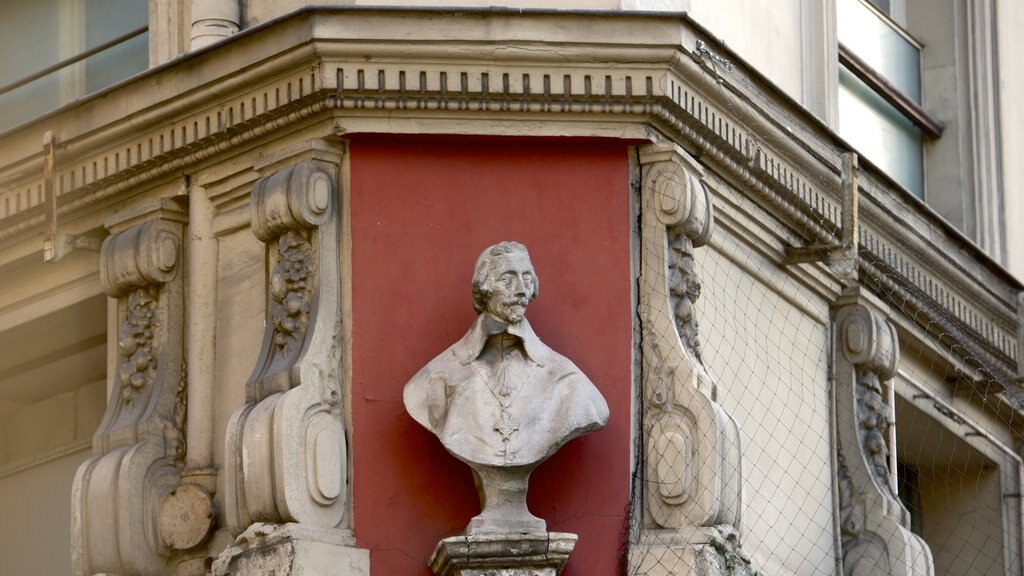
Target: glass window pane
x=882, y=5
x=104, y=21
x=880, y=132
x=875, y=41
x=117, y=63
x=21, y=24
x=24, y=24
x=71, y=27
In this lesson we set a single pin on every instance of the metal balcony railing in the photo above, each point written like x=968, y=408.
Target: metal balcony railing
x=73, y=60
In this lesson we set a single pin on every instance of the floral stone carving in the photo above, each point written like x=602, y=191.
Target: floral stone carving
x=290, y=291
x=140, y=445
x=135, y=343
x=287, y=453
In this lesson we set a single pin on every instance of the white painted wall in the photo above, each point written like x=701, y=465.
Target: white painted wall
x=1009, y=23
x=768, y=35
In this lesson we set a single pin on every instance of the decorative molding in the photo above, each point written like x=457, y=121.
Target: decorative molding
x=503, y=554
x=692, y=485
x=732, y=121
x=140, y=445
x=16, y=466
x=286, y=467
x=874, y=525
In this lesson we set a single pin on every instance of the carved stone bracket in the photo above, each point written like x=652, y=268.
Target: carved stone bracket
x=140, y=445
x=286, y=448
x=692, y=481
x=874, y=524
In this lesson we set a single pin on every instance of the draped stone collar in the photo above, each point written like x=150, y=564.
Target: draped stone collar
x=472, y=344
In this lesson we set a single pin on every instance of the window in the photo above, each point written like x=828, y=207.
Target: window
x=58, y=50
x=960, y=485
x=879, y=97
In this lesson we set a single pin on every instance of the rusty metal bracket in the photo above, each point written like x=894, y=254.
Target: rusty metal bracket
x=840, y=256
x=56, y=244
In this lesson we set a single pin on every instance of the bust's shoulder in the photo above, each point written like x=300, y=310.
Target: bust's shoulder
x=443, y=363
x=561, y=368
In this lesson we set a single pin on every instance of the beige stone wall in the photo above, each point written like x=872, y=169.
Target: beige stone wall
x=35, y=527
x=972, y=498
x=241, y=304
x=766, y=341
x=52, y=424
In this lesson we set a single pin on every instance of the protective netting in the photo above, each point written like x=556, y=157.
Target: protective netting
x=937, y=429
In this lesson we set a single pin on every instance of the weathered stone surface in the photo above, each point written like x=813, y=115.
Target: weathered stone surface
x=286, y=470
x=294, y=550
x=287, y=452
x=499, y=399
x=186, y=517
x=139, y=448
x=692, y=443
x=693, y=489
x=874, y=525
x=539, y=554
x=701, y=552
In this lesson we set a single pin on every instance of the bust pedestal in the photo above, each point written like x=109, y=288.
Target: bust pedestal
x=537, y=554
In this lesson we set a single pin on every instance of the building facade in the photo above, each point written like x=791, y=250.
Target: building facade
x=778, y=237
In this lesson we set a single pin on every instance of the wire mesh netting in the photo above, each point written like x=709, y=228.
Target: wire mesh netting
x=898, y=458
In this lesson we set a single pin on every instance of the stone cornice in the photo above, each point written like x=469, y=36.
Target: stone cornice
x=657, y=77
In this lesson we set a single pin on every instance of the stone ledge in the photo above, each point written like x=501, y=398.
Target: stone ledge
x=540, y=554
x=695, y=551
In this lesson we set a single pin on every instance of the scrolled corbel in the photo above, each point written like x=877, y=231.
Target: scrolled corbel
x=874, y=524
x=286, y=447
x=140, y=445
x=693, y=483
x=143, y=255
x=291, y=199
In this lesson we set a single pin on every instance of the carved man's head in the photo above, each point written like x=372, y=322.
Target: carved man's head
x=504, y=282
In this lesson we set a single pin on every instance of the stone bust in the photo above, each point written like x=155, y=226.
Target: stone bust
x=499, y=399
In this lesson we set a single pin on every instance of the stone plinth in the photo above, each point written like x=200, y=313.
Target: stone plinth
x=292, y=550
x=702, y=551
x=540, y=554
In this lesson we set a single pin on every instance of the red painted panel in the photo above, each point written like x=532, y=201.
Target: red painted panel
x=422, y=210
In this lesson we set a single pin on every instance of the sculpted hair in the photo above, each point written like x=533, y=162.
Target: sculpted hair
x=482, y=272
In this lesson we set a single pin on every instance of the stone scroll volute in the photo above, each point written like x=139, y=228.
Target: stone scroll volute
x=874, y=524
x=693, y=484
x=140, y=445
x=286, y=447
